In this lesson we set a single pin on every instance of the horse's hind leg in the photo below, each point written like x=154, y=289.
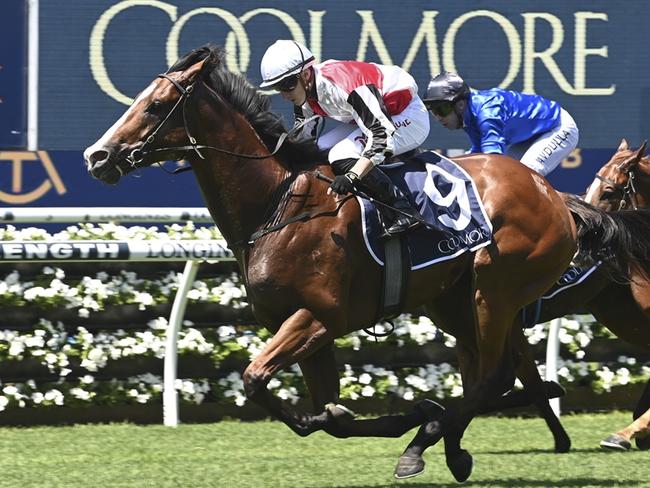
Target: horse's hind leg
x=453, y=311
x=495, y=317
x=535, y=388
x=622, y=440
x=641, y=411
x=638, y=430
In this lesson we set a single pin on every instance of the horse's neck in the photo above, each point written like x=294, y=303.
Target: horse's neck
x=238, y=191
x=643, y=183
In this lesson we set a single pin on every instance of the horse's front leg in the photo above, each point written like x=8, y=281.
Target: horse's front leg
x=300, y=336
x=322, y=379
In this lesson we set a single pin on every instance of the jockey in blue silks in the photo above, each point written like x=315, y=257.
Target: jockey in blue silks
x=530, y=128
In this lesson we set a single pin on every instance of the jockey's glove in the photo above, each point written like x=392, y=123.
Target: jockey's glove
x=344, y=184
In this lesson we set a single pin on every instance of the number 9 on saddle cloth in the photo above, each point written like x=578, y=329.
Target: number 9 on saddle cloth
x=446, y=198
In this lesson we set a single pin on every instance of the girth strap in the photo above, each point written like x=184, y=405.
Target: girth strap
x=397, y=264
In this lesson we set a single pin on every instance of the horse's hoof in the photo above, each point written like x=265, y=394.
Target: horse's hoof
x=616, y=442
x=563, y=445
x=409, y=466
x=461, y=466
x=643, y=444
x=432, y=410
x=339, y=411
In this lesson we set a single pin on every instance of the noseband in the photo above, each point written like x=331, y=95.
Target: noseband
x=628, y=190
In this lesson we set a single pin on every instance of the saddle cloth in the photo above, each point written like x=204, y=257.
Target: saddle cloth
x=573, y=276
x=447, y=199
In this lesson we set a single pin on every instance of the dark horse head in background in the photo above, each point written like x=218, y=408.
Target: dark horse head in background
x=313, y=280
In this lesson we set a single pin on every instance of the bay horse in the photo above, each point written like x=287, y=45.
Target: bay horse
x=308, y=275
x=623, y=182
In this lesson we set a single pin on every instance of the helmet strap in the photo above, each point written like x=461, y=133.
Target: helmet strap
x=307, y=85
x=460, y=111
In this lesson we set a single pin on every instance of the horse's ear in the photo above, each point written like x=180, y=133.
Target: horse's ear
x=636, y=159
x=623, y=146
x=194, y=70
x=211, y=62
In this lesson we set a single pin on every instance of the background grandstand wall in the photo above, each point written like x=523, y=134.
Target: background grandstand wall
x=93, y=59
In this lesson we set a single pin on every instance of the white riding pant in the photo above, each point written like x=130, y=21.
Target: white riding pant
x=348, y=141
x=545, y=152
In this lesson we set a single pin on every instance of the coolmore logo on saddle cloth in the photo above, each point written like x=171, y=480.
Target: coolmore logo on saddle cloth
x=573, y=276
x=446, y=198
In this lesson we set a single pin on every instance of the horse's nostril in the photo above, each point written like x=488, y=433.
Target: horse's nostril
x=98, y=157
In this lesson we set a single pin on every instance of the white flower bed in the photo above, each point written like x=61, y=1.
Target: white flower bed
x=50, y=345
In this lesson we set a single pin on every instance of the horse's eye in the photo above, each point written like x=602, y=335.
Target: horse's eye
x=154, y=107
x=608, y=195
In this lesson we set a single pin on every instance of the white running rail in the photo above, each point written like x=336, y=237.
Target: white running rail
x=190, y=251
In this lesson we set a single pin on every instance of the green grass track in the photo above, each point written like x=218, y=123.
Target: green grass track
x=508, y=452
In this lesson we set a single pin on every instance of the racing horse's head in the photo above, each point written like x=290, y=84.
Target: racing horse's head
x=156, y=127
x=616, y=185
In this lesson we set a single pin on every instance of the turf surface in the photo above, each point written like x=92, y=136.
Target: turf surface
x=508, y=452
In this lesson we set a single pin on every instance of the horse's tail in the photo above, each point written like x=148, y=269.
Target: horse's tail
x=621, y=239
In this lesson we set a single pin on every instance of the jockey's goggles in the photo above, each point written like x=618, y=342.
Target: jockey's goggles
x=440, y=108
x=286, y=84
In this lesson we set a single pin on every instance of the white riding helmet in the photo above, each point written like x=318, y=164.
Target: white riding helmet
x=284, y=58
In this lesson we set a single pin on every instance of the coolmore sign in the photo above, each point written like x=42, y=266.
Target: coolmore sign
x=96, y=56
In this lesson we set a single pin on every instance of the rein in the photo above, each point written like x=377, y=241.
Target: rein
x=628, y=190
x=137, y=156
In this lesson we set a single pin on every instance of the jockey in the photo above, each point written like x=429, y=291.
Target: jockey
x=530, y=128
x=379, y=105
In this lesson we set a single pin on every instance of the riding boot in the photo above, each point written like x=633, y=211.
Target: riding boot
x=378, y=185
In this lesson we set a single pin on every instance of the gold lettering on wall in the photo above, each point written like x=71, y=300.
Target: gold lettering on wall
x=425, y=33
x=97, y=38
x=545, y=56
x=573, y=160
x=237, y=41
x=514, y=43
x=525, y=57
x=581, y=53
x=370, y=32
x=17, y=195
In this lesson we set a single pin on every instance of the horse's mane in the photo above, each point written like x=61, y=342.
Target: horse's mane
x=254, y=106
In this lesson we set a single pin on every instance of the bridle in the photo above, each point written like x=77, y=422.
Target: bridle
x=627, y=190
x=138, y=155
